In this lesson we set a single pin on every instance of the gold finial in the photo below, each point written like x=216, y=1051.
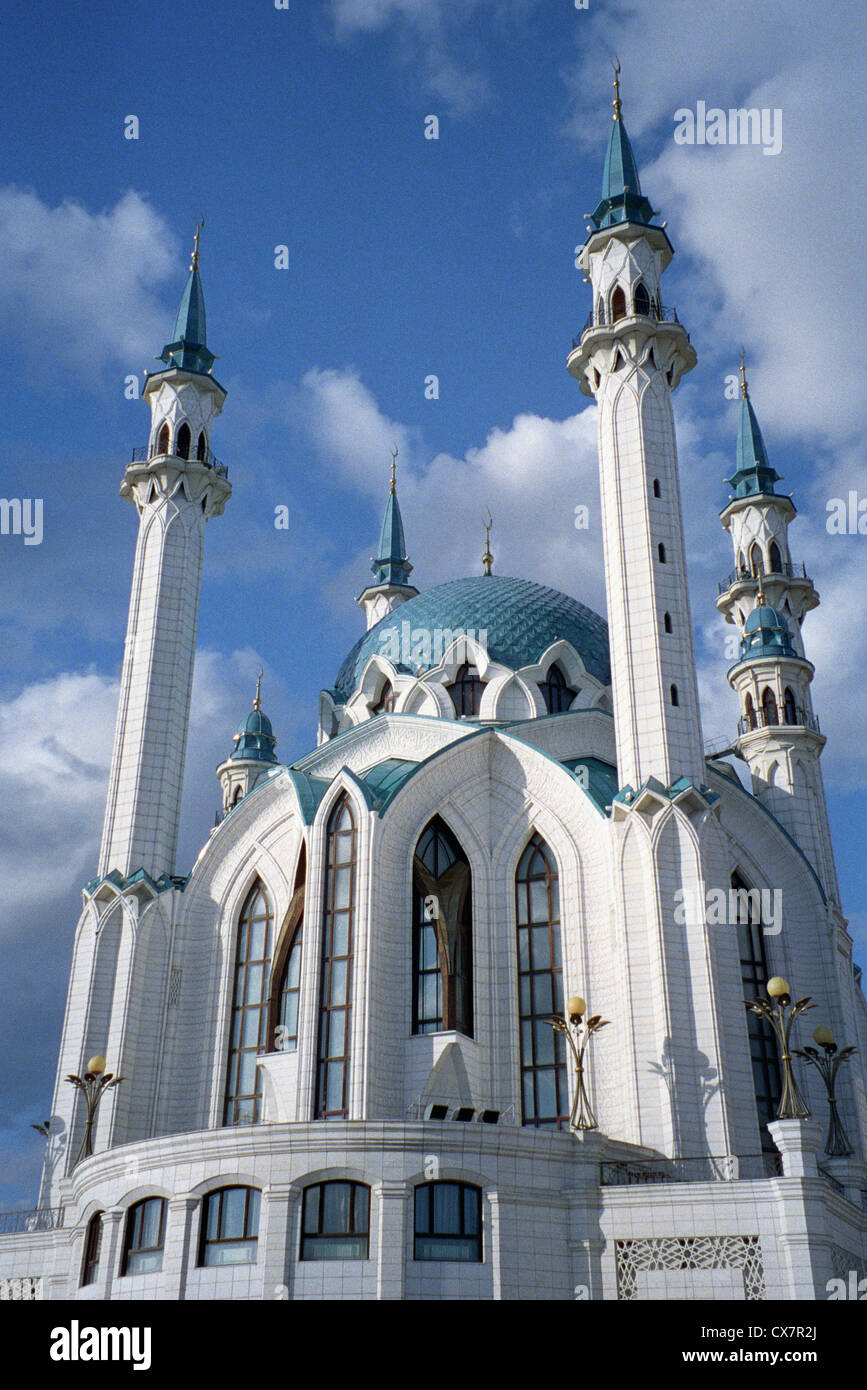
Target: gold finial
x=194, y=263
x=761, y=601
x=394, y=453
x=745, y=392
x=257, y=703
x=487, y=558
x=615, y=63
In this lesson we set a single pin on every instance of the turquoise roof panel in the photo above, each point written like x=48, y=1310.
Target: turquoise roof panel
x=598, y=779
x=622, y=199
x=520, y=618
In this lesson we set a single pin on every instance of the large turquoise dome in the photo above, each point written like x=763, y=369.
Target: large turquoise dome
x=521, y=620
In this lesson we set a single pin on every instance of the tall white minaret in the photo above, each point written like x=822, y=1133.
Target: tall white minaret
x=767, y=596
x=630, y=356
x=175, y=485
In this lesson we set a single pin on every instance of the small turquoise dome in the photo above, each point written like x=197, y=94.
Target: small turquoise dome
x=521, y=619
x=255, y=741
x=766, y=633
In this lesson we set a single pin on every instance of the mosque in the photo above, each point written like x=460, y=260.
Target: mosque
x=340, y=1077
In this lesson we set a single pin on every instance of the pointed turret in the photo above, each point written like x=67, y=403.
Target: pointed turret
x=391, y=567
x=754, y=474
x=253, y=754
x=188, y=349
x=622, y=199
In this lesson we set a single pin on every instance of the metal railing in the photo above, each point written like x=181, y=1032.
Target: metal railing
x=27, y=1222
x=720, y=1168
x=147, y=453
x=759, y=719
x=658, y=313
x=785, y=570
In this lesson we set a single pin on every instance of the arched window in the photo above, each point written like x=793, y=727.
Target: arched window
x=230, y=1226
x=466, y=691
x=335, y=1221
x=145, y=1237
x=163, y=439
x=618, y=304
x=749, y=711
x=755, y=975
x=657, y=491
x=202, y=447
x=641, y=299
x=757, y=564
x=776, y=559
x=239, y=792
x=660, y=550
x=742, y=564
x=556, y=692
x=184, y=439
x=442, y=934
x=385, y=703
x=335, y=998
x=675, y=700
x=249, y=1026
x=769, y=707
x=544, y=1088
x=448, y=1222
x=92, y=1246
x=666, y=622
x=600, y=311
x=789, y=706
x=283, y=1005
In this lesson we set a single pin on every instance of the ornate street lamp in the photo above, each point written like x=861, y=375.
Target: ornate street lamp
x=582, y=1116
x=792, y=1105
x=837, y=1143
x=95, y=1082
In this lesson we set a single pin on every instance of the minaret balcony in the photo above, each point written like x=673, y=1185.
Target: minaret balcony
x=208, y=460
x=760, y=719
x=786, y=570
x=657, y=313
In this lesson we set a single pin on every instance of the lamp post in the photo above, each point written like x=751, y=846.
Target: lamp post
x=792, y=1105
x=95, y=1082
x=837, y=1143
x=582, y=1116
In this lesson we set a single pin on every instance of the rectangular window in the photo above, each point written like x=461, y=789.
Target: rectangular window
x=448, y=1222
x=230, y=1226
x=145, y=1237
x=336, y=1221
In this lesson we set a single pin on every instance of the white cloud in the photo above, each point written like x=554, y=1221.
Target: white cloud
x=80, y=285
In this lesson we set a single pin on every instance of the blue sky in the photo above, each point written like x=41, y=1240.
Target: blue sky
x=408, y=256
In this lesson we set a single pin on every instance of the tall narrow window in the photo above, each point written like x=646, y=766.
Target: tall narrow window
x=600, y=312
x=466, y=690
x=749, y=711
x=769, y=707
x=757, y=564
x=442, y=934
x=201, y=447
x=385, y=703
x=675, y=698
x=775, y=558
x=184, y=439
x=249, y=1026
x=641, y=299
x=92, y=1246
x=556, y=691
x=145, y=1237
x=544, y=1086
x=163, y=439
x=657, y=491
x=755, y=975
x=660, y=550
x=666, y=622
x=335, y=1011
x=618, y=304
x=290, y=991
x=283, y=1003
x=789, y=704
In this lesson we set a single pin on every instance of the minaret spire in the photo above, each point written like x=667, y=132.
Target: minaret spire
x=615, y=63
x=175, y=485
x=391, y=567
x=487, y=558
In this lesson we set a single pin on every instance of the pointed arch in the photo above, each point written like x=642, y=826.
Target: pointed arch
x=334, y=1050
x=163, y=438
x=769, y=708
x=749, y=712
x=286, y=970
x=544, y=1087
x=466, y=691
x=618, y=304
x=641, y=299
x=757, y=563
x=385, y=702
x=249, y=1019
x=556, y=691
x=202, y=447
x=789, y=706
x=775, y=559
x=442, y=933
x=183, y=441
x=600, y=311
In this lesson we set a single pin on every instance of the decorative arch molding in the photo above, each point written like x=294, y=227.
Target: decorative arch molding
x=228, y=1178
x=140, y=1193
x=495, y=698
x=427, y=697
x=359, y=797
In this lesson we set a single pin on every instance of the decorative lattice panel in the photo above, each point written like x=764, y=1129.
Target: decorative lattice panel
x=23, y=1289
x=843, y=1262
x=690, y=1252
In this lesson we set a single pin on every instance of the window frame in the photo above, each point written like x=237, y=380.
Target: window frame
x=206, y=1242
x=447, y=986
x=431, y=1234
x=314, y=1243
x=92, y=1250
x=129, y=1250
x=530, y=1020
x=328, y=959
